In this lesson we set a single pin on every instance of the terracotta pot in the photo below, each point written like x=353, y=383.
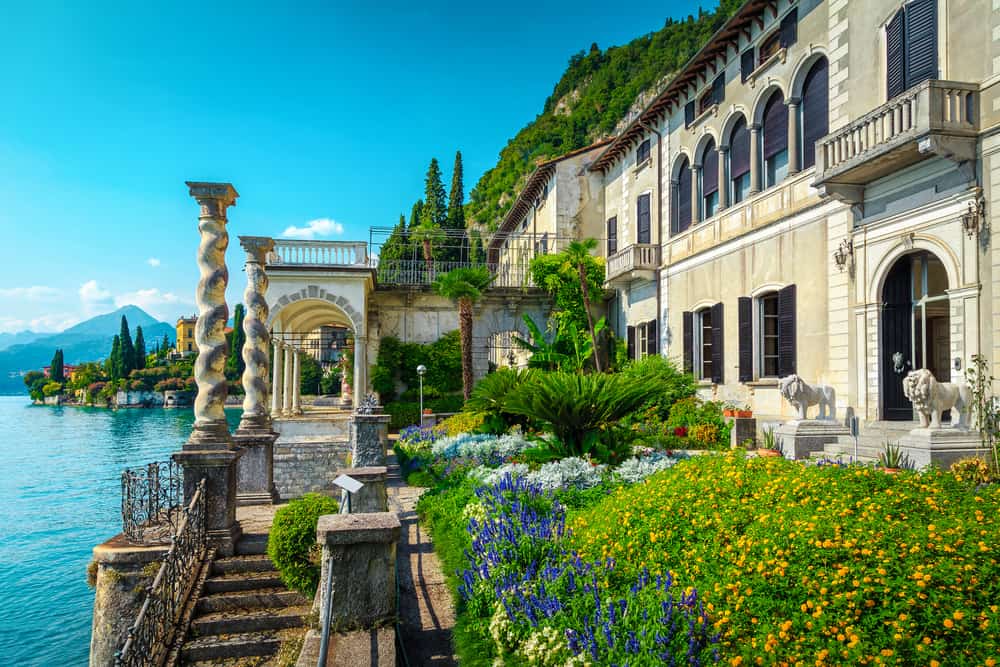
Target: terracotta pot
x=744, y=414
x=428, y=411
x=892, y=471
x=729, y=413
x=768, y=453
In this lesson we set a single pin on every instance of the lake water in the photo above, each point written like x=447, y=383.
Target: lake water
x=60, y=495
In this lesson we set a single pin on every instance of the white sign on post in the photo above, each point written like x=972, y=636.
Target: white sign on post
x=348, y=483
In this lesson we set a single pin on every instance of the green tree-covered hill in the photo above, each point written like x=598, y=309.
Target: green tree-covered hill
x=590, y=99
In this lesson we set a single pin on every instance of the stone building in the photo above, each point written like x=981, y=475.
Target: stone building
x=185, y=344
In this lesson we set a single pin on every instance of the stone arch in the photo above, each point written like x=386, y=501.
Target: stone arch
x=928, y=243
x=762, y=98
x=802, y=68
x=292, y=307
x=702, y=144
x=729, y=123
x=678, y=162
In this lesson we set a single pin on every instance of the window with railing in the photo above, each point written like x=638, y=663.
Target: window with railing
x=911, y=46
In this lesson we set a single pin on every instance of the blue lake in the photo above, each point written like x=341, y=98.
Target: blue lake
x=60, y=495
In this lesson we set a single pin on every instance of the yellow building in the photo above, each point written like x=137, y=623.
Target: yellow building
x=185, y=335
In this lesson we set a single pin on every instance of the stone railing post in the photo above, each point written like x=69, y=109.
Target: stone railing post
x=209, y=453
x=277, y=379
x=255, y=470
x=369, y=439
x=372, y=496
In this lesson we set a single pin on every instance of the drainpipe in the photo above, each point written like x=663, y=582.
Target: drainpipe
x=659, y=228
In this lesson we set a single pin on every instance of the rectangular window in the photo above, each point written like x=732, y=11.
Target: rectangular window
x=747, y=64
x=642, y=217
x=689, y=113
x=769, y=47
x=612, y=235
x=789, y=29
x=741, y=188
x=642, y=153
x=703, y=344
x=776, y=168
x=711, y=203
x=768, y=327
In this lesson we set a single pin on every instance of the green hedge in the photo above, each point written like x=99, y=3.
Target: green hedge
x=397, y=363
x=407, y=413
x=292, y=542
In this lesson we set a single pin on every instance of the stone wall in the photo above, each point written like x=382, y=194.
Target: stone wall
x=308, y=453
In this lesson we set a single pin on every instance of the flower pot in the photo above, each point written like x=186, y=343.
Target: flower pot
x=892, y=471
x=729, y=413
x=428, y=411
x=744, y=414
x=768, y=453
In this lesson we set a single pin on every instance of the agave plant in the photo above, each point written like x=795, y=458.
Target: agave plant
x=579, y=409
x=892, y=457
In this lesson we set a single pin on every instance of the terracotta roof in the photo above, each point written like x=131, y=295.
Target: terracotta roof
x=695, y=69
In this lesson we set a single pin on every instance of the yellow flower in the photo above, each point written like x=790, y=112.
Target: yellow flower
x=948, y=623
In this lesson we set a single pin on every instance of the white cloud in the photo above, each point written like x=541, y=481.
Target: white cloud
x=314, y=228
x=153, y=261
x=33, y=293
x=163, y=305
x=95, y=299
x=44, y=324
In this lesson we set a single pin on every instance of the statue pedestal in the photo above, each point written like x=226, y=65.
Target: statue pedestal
x=255, y=468
x=940, y=446
x=369, y=440
x=372, y=496
x=218, y=468
x=800, y=437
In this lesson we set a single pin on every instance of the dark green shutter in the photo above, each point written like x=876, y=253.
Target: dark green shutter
x=718, y=340
x=688, y=319
x=895, y=56
x=789, y=28
x=745, y=313
x=631, y=342
x=689, y=113
x=786, y=331
x=719, y=89
x=747, y=62
x=651, y=340
x=921, y=41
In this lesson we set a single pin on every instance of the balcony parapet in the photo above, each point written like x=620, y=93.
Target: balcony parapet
x=294, y=254
x=933, y=118
x=637, y=261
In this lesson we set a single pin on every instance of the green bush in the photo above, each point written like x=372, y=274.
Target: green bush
x=689, y=413
x=397, y=363
x=489, y=398
x=292, y=543
x=407, y=413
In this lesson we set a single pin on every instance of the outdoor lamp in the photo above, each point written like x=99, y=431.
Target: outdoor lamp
x=421, y=371
x=843, y=254
x=975, y=211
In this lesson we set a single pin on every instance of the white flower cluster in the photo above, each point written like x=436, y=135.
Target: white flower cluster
x=638, y=468
x=502, y=629
x=490, y=476
x=475, y=510
x=467, y=445
x=576, y=472
x=545, y=648
x=572, y=471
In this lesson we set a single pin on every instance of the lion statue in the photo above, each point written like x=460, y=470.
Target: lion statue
x=930, y=398
x=802, y=396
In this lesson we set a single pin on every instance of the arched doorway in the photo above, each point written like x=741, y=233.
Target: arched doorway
x=915, y=328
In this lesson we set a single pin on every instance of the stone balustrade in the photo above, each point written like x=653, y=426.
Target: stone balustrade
x=318, y=253
x=637, y=258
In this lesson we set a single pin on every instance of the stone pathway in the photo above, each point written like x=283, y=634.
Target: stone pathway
x=426, y=608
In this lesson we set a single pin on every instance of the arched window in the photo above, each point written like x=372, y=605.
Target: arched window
x=682, y=206
x=815, y=111
x=739, y=161
x=775, y=128
x=710, y=180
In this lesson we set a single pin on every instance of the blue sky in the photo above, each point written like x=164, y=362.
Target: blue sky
x=314, y=112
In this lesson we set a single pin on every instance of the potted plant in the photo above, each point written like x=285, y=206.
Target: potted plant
x=428, y=411
x=770, y=441
x=892, y=458
x=745, y=413
x=729, y=410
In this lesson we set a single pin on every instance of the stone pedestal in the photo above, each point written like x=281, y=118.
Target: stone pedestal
x=743, y=429
x=218, y=468
x=372, y=496
x=369, y=440
x=124, y=571
x=800, y=437
x=940, y=446
x=359, y=555
x=255, y=468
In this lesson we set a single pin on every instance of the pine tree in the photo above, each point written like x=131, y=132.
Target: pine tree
x=456, y=211
x=56, y=371
x=234, y=362
x=418, y=207
x=434, y=214
x=140, y=349
x=113, y=365
x=127, y=349
x=393, y=251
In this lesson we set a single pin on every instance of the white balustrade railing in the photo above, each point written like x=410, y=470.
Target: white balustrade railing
x=947, y=107
x=318, y=253
x=639, y=256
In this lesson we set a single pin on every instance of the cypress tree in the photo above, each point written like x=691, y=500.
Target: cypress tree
x=165, y=345
x=412, y=247
x=140, y=349
x=234, y=362
x=114, y=362
x=477, y=254
x=435, y=209
x=127, y=348
x=456, y=208
x=393, y=250
x=56, y=372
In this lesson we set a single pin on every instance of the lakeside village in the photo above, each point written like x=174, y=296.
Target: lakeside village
x=723, y=386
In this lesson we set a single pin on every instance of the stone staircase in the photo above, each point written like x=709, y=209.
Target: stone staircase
x=245, y=612
x=870, y=443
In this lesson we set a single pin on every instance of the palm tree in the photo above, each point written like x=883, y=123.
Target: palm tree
x=426, y=233
x=464, y=285
x=577, y=253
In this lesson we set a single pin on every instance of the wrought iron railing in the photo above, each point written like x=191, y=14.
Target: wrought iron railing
x=150, y=637
x=419, y=272
x=151, y=500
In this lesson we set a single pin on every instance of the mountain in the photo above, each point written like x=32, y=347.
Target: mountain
x=598, y=91
x=87, y=341
x=18, y=338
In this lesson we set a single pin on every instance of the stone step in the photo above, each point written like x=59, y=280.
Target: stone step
x=260, y=620
x=252, y=544
x=243, y=581
x=258, y=598
x=243, y=564
x=216, y=650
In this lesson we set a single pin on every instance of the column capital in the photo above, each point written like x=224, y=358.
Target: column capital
x=202, y=191
x=723, y=148
x=755, y=127
x=793, y=101
x=257, y=247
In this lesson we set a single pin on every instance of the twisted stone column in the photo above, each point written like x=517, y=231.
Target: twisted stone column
x=255, y=349
x=277, y=379
x=209, y=453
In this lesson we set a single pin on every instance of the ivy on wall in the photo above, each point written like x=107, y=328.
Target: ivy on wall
x=396, y=365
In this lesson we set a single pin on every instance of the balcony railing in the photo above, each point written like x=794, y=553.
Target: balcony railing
x=636, y=261
x=418, y=273
x=900, y=132
x=318, y=253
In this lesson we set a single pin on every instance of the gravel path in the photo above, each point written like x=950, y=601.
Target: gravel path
x=426, y=607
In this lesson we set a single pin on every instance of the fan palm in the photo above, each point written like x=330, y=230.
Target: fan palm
x=464, y=286
x=426, y=233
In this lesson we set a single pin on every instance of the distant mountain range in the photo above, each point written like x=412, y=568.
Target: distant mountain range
x=87, y=341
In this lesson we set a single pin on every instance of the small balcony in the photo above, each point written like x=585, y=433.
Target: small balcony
x=933, y=118
x=318, y=254
x=636, y=262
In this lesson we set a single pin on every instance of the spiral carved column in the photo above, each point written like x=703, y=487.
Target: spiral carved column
x=209, y=453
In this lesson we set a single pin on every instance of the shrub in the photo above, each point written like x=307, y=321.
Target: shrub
x=481, y=447
x=292, y=542
x=692, y=412
x=463, y=422
x=672, y=383
x=972, y=470
x=489, y=398
x=52, y=388
x=571, y=472
x=405, y=413
x=639, y=468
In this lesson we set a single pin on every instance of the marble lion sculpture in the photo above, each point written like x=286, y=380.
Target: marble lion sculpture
x=930, y=398
x=803, y=395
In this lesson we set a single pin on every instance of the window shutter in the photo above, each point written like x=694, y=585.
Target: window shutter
x=789, y=28
x=612, y=235
x=631, y=342
x=642, y=206
x=786, y=331
x=651, y=339
x=775, y=126
x=747, y=61
x=719, y=89
x=642, y=153
x=745, y=308
x=689, y=113
x=709, y=171
x=895, y=77
x=718, y=341
x=688, y=320
x=815, y=111
x=683, y=204
x=739, y=149
x=920, y=41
